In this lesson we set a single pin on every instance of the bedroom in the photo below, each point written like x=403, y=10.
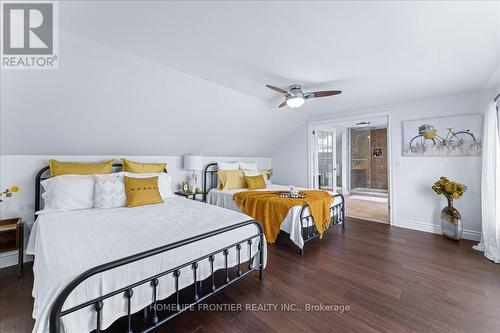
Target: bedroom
x=145, y=99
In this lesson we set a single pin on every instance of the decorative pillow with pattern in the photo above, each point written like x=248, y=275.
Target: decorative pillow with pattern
x=110, y=191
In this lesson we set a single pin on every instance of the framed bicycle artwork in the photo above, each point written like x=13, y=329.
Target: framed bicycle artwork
x=446, y=136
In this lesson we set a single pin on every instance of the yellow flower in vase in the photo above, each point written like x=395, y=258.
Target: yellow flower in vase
x=451, y=220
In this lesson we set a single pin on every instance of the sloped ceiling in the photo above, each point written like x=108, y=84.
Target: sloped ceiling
x=151, y=77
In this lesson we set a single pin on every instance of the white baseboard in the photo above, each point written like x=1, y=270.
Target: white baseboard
x=10, y=259
x=433, y=228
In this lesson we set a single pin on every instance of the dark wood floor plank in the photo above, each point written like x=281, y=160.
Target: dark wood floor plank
x=393, y=280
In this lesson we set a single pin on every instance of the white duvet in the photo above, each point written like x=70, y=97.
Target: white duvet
x=291, y=223
x=66, y=244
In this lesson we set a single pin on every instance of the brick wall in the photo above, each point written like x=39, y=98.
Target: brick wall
x=378, y=169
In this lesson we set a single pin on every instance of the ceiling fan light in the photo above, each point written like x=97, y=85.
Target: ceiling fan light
x=295, y=102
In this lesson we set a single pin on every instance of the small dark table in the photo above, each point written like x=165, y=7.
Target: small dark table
x=12, y=238
x=190, y=195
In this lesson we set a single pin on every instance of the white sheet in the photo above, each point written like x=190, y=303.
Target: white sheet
x=291, y=223
x=66, y=244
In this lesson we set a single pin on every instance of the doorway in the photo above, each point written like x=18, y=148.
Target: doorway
x=352, y=157
x=368, y=164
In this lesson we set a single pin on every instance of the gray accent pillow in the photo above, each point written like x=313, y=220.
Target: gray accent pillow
x=110, y=191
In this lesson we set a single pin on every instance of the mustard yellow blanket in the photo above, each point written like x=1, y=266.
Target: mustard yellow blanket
x=270, y=210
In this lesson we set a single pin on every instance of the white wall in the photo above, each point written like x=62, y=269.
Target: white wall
x=290, y=159
x=415, y=204
x=104, y=101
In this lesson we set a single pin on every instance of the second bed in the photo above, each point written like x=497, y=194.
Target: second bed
x=298, y=223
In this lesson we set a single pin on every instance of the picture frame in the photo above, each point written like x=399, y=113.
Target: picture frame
x=459, y=135
x=377, y=152
x=185, y=187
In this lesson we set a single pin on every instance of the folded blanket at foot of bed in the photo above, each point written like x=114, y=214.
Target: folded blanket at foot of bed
x=270, y=210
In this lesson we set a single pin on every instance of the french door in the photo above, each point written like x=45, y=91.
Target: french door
x=325, y=160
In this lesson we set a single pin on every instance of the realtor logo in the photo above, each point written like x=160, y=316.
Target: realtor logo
x=29, y=35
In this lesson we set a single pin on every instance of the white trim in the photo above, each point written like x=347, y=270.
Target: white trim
x=348, y=168
x=471, y=234
x=310, y=152
x=391, y=164
x=8, y=259
x=433, y=228
x=342, y=118
x=345, y=149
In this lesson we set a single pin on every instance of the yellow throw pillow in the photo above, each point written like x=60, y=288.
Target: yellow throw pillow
x=231, y=179
x=255, y=182
x=58, y=168
x=142, y=191
x=138, y=167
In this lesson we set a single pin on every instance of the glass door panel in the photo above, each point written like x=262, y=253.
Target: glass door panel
x=360, y=159
x=326, y=150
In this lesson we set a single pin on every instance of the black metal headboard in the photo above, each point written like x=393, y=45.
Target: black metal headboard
x=40, y=177
x=38, y=186
x=209, y=178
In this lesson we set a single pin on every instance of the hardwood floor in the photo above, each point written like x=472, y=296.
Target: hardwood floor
x=368, y=210
x=393, y=280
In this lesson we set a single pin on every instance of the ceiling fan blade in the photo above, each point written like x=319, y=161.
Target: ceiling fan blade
x=325, y=93
x=282, y=104
x=277, y=89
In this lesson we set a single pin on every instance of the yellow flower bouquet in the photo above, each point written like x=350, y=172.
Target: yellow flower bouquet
x=450, y=189
x=9, y=192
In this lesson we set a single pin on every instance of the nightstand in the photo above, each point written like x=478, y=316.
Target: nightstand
x=191, y=195
x=12, y=238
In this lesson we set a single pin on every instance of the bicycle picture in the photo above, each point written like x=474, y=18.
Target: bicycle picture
x=443, y=140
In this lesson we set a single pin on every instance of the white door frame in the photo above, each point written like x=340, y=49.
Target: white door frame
x=346, y=179
x=390, y=160
x=314, y=181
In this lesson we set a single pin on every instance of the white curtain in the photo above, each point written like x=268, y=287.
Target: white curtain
x=490, y=187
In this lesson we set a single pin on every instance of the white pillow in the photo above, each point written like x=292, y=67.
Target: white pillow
x=248, y=166
x=110, y=191
x=164, y=181
x=68, y=192
x=228, y=165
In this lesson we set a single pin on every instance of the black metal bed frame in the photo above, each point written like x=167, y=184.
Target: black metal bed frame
x=153, y=319
x=337, y=211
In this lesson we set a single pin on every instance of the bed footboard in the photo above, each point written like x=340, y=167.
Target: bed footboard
x=152, y=318
x=309, y=230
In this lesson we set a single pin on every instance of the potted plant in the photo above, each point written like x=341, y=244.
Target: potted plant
x=451, y=220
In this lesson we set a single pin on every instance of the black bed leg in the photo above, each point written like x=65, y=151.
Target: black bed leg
x=261, y=256
x=301, y=251
x=343, y=216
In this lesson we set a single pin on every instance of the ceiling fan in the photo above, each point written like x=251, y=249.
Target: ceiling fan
x=295, y=97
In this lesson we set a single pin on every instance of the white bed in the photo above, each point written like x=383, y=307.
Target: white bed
x=291, y=224
x=65, y=244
